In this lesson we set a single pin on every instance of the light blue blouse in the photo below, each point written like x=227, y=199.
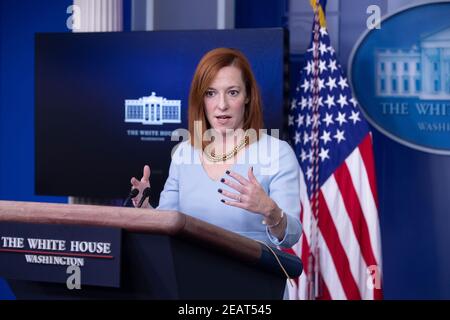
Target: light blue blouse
x=190, y=190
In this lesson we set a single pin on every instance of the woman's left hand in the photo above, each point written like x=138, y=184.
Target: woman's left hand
x=251, y=195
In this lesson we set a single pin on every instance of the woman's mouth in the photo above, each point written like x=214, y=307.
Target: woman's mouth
x=223, y=119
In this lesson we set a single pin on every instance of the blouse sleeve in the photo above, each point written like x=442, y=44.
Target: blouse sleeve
x=284, y=189
x=169, y=198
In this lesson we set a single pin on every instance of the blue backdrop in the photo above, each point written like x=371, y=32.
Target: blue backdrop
x=412, y=186
x=19, y=20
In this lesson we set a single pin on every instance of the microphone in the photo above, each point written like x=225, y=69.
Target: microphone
x=145, y=194
x=133, y=193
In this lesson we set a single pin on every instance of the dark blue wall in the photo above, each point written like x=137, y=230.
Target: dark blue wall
x=19, y=20
x=260, y=13
x=414, y=212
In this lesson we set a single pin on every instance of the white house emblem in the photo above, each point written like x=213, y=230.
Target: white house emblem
x=153, y=110
x=422, y=72
x=400, y=76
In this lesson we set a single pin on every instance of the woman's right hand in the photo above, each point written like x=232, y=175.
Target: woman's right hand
x=141, y=185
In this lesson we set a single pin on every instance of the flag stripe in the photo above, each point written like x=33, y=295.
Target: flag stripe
x=328, y=274
x=352, y=204
x=305, y=214
x=344, y=222
x=366, y=151
x=305, y=219
x=340, y=259
x=325, y=292
x=303, y=281
x=360, y=180
x=368, y=205
x=329, y=271
x=302, y=249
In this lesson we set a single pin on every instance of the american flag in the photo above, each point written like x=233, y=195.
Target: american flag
x=340, y=245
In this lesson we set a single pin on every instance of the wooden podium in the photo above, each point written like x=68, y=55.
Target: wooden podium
x=164, y=255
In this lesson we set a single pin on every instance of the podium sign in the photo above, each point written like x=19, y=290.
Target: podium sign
x=161, y=255
x=44, y=253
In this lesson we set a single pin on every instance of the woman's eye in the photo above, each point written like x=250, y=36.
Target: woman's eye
x=209, y=93
x=233, y=93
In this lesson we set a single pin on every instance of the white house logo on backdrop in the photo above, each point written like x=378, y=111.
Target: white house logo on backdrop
x=152, y=110
x=400, y=75
x=422, y=72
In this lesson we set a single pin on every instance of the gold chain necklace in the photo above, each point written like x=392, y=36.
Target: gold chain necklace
x=214, y=158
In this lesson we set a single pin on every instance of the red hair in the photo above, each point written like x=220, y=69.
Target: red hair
x=206, y=71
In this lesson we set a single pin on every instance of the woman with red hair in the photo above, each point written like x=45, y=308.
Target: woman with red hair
x=230, y=172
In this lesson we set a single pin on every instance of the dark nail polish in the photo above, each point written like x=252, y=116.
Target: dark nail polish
x=222, y=180
x=252, y=169
x=219, y=190
x=227, y=172
x=222, y=200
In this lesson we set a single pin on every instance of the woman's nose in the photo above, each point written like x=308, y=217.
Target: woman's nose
x=222, y=103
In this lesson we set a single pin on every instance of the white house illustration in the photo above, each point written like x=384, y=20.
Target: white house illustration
x=418, y=72
x=153, y=110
